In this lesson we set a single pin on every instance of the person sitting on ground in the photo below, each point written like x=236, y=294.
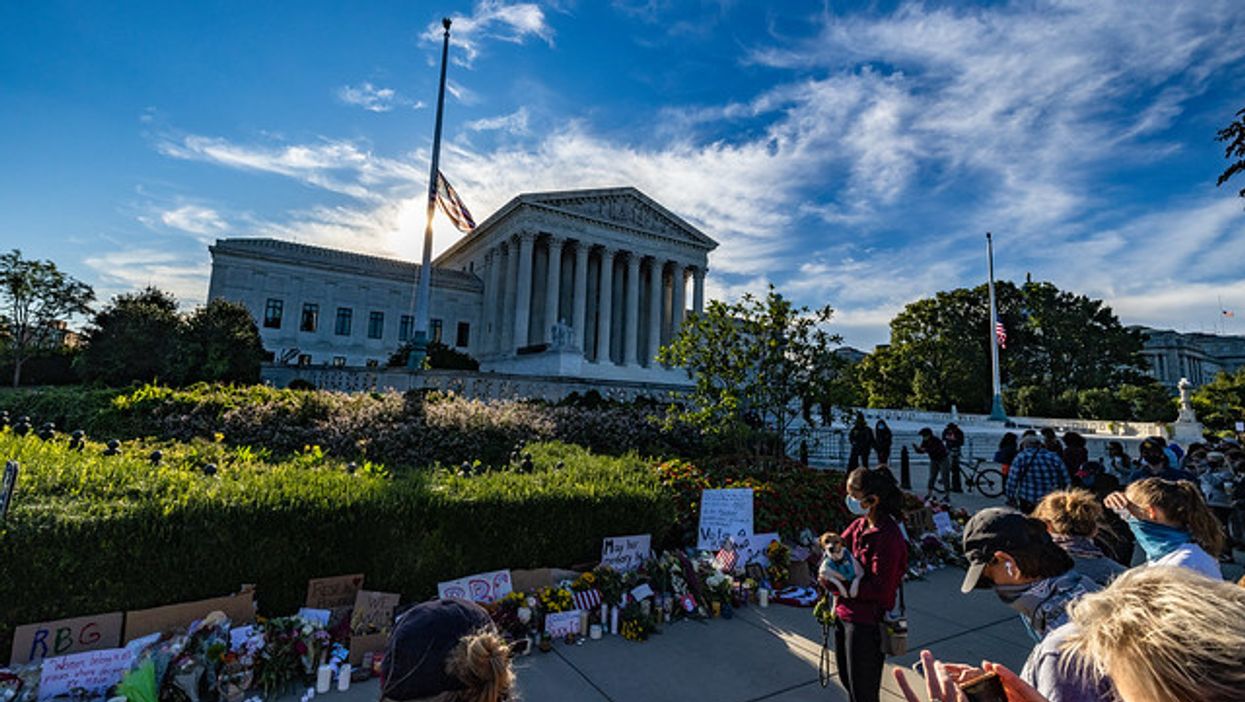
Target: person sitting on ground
x=939, y=462
x=1075, y=453
x=1156, y=463
x=1016, y=557
x=1073, y=518
x=446, y=651
x=1161, y=634
x=1035, y=472
x=1006, y=453
x=1172, y=524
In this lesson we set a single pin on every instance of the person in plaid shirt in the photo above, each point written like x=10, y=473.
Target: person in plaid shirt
x=1035, y=473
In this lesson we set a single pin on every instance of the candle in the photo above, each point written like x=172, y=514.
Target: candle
x=605, y=614
x=343, y=678
x=614, y=621
x=594, y=632
x=324, y=679
x=763, y=597
x=646, y=608
x=583, y=622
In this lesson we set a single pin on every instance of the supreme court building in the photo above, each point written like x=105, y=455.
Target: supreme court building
x=576, y=284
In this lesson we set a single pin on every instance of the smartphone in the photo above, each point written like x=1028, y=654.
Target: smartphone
x=986, y=688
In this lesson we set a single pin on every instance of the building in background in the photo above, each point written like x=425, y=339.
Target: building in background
x=576, y=284
x=1173, y=355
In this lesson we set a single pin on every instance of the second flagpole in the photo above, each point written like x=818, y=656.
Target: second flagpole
x=419, y=347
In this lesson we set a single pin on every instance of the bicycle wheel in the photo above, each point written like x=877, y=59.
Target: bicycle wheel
x=989, y=482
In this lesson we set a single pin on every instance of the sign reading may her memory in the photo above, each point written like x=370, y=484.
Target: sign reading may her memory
x=625, y=553
x=724, y=514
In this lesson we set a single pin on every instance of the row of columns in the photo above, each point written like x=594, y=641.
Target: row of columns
x=508, y=275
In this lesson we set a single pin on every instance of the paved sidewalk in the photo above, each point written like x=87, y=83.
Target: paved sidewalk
x=760, y=654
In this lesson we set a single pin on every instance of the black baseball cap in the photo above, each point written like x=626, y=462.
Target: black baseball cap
x=990, y=530
x=415, y=660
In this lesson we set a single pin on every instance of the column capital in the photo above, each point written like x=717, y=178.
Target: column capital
x=698, y=272
x=609, y=251
x=634, y=259
x=525, y=235
x=555, y=240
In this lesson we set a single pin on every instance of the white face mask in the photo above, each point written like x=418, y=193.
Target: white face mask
x=854, y=506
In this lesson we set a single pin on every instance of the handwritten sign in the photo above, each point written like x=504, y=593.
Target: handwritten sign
x=625, y=553
x=317, y=616
x=373, y=612
x=34, y=642
x=484, y=587
x=333, y=593
x=93, y=671
x=751, y=548
x=942, y=522
x=562, y=623
x=238, y=637
x=7, y=487
x=239, y=608
x=723, y=514
x=642, y=591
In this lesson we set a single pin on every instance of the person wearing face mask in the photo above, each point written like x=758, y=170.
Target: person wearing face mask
x=1157, y=462
x=878, y=544
x=1172, y=524
x=1015, y=556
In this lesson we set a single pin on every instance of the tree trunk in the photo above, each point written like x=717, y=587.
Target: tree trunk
x=17, y=371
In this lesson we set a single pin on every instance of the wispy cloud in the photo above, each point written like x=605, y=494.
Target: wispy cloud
x=130, y=269
x=514, y=123
x=194, y=219
x=492, y=20
x=374, y=99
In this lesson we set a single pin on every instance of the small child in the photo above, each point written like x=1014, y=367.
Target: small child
x=838, y=565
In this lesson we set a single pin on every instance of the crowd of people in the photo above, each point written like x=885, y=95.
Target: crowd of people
x=1169, y=629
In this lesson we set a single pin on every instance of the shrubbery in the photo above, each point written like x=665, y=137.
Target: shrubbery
x=90, y=533
x=390, y=428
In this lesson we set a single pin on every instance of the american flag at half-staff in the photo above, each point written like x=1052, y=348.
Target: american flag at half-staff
x=587, y=599
x=452, y=205
x=1001, y=334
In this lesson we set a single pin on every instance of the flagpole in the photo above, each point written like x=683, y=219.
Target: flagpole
x=996, y=406
x=419, y=347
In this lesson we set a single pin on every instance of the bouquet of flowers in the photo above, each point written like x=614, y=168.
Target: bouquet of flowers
x=291, y=651
x=513, y=615
x=554, y=599
x=611, y=584
x=635, y=626
x=779, y=562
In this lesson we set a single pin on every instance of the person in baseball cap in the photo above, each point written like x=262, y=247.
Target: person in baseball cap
x=446, y=650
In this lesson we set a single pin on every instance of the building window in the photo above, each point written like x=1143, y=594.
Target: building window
x=375, y=325
x=373, y=363
x=434, y=329
x=311, y=317
x=342, y=327
x=405, y=324
x=304, y=359
x=272, y=313
x=464, y=335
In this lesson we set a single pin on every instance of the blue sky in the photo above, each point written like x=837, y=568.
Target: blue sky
x=850, y=153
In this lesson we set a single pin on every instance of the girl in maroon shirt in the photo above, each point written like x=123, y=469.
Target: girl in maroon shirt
x=877, y=542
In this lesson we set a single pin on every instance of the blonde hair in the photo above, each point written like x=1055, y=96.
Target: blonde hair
x=1070, y=512
x=1166, y=629
x=482, y=662
x=1181, y=503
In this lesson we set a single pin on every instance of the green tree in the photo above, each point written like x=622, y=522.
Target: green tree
x=34, y=297
x=1234, y=136
x=756, y=361
x=1220, y=404
x=220, y=343
x=1057, y=342
x=137, y=337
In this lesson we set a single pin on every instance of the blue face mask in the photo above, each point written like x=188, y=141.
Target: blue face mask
x=1157, y=540
x=854, y=506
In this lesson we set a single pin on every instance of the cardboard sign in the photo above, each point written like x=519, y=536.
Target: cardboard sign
x=333, y=593
x=93, y=671
x=920, y=521
x=34, y=642
x=362, y=645
x=373, y=612
x=625, y=553
x=942, y=522
x=642, y=591
x=484, y=587
x=536, y=578
x=7, y=487
x=559, y=624
x=751, y=549
x=240, y=609
x=723, y=514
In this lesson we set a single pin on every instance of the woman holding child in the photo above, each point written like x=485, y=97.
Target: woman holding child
x=877, y=543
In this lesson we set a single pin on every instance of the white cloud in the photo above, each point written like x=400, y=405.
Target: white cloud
x=492, y=19
x=127, y=270
x=368, y=96
x=194, y=219
x=514, y=123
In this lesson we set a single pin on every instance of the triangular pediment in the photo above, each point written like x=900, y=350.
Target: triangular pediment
x=626, y=207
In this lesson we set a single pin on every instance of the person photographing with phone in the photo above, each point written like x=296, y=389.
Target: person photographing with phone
x=877, y=543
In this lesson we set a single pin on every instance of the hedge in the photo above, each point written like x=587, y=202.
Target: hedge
x=390, y=428
x=89, y=533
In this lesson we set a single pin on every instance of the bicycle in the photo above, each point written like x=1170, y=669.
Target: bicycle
x=988, y=481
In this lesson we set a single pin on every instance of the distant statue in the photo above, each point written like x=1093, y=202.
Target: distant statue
x=1185, y=386
x=563, y=338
